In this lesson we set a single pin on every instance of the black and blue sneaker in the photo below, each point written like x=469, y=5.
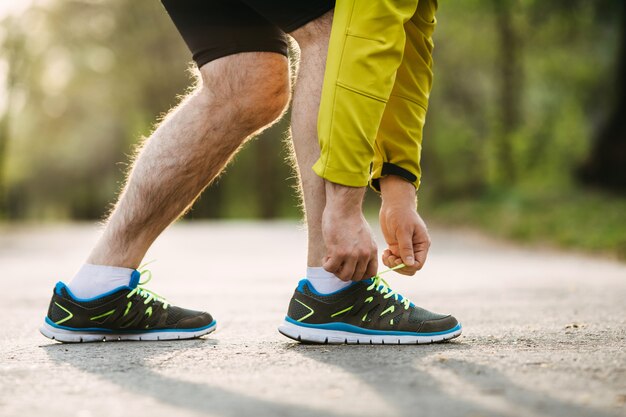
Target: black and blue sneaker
x=366, y=312
x=126, y=313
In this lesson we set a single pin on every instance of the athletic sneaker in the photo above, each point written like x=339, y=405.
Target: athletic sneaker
x=125, y=313
x=368, y=312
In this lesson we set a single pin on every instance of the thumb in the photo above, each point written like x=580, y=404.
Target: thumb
x=405, y=246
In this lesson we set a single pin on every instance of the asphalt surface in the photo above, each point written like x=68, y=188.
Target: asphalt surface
x=544, y=333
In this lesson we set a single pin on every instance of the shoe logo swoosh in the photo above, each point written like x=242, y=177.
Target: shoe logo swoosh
x=311, y=311
x=69, y=314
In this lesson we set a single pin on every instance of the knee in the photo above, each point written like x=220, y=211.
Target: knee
x=264, y=96
x=254, y=87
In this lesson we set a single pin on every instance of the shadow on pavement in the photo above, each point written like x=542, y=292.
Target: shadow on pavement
x=407, y=378
x=415, y=383
x=488, y=380
x=388, y=370
x=125, y=364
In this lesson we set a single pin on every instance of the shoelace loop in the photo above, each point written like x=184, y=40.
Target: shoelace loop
x=382, y=287
x=150, y=296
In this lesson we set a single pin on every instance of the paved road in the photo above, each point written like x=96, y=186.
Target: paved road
x=544, y=334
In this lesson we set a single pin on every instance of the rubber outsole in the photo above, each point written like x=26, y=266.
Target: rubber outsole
x=324, y=336
x=77, y=336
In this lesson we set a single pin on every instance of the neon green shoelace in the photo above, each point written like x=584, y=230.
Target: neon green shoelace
x=382, y=287
x=377, y=283
x=146, y=293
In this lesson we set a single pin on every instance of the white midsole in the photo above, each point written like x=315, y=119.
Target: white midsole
x=63, y=335
x=309, y=334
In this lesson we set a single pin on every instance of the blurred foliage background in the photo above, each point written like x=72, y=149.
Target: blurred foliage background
x=526, y=134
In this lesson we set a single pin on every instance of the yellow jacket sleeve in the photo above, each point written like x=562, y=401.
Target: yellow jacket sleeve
x=377, y=80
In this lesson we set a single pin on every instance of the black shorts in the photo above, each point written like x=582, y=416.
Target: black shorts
x=216, y=28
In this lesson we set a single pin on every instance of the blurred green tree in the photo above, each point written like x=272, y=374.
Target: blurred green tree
x=521, y=87
x=511, y=82
x=91, y=79
x=606, y=165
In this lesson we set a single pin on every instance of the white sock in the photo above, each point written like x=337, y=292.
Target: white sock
x=323, y=281
x=93, y=280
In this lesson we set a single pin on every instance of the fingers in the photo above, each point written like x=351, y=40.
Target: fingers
x=334, y=264
x=352, y=267
x=405, y=246
x=345, y=268
x=348, y=268
x=361, y=267
x=390, y=260
x=421, y=252
x=385, y=257
x=372, y=268
x=407, y=270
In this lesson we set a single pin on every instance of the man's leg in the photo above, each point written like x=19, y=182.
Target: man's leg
x=368, y=311
x=239, y=95
x=313, y=42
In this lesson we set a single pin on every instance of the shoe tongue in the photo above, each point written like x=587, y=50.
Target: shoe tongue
x=134, y=279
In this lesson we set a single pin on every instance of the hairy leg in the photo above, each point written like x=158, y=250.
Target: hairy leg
x=239, y=95
x=313, y=42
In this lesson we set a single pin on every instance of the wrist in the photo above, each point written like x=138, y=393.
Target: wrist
x=343, y=198
x=395, y=190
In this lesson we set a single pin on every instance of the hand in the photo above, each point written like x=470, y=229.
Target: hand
x=351, y=252
x=404, y=230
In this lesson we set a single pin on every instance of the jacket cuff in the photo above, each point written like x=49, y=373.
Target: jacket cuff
x=339, y=176
x=392, y=169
